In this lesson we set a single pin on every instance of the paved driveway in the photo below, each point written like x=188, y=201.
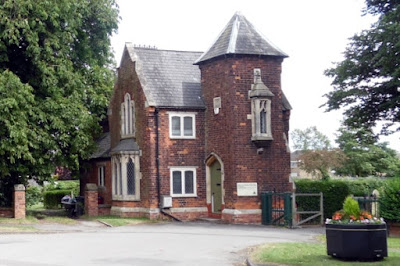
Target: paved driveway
x=148, y=244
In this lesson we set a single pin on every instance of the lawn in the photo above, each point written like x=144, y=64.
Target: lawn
x=315, y=254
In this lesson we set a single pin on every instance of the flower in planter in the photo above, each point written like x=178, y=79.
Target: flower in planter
x=351, y=214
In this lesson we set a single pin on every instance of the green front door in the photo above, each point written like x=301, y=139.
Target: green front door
x=216, y=187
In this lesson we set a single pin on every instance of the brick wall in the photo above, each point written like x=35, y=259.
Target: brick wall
x=7, y=212
x=92, y=177
x=182, y=152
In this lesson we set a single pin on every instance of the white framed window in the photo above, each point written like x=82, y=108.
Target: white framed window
x=182, y=125
x=127, y=117
x=101, y=175
x=126, y=177
x=183, y=181
x=261, y=114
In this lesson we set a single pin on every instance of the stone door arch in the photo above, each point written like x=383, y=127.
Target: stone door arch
x=215, y=185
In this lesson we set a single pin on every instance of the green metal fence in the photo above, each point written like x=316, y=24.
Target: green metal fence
x=276, y=208
x=370, y=203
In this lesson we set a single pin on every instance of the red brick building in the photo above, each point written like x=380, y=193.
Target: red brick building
x=196, y=134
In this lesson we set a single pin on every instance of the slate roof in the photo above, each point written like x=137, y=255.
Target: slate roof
x=240, y=37
x=126, y=145
x=285, y=103
x=103, y=147
x=169, y=78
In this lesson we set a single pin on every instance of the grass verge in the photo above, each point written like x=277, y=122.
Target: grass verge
x=35, y=219
x=28, y=220
x=315, y=254
x=17, y=229
x=120, y=221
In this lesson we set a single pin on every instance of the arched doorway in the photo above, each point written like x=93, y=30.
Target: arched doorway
x=215, y=186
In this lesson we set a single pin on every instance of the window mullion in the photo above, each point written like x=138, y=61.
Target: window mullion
x=124, y=161
x=183, y=177
x=182, y=126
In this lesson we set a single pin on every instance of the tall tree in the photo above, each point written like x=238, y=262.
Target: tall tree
x=309, y=139
x=55, y=81
x=316, y=154
x=365, y=155
x=319, y=162
x=367, y=82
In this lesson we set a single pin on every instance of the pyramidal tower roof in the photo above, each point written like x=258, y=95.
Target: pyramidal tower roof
x=240, y=37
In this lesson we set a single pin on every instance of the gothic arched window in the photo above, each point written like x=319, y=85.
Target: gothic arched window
x=127, y=117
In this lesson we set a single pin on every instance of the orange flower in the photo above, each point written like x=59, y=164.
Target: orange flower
x=366, y=215
x=337, y=216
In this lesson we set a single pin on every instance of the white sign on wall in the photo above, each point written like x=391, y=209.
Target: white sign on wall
x=247, y=189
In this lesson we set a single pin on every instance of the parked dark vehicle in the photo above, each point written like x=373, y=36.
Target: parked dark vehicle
x=73, y=206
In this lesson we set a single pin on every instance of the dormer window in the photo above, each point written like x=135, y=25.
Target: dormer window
x=261, y=98
x=127, y=117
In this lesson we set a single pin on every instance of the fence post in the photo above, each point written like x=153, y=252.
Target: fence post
x=321, y=207
x=287, y=209
x=374, y=203
x=19, y=201
x=91, y=200
x=294, y=222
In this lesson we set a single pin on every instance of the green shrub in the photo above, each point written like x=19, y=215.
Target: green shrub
x=364, y=186
x=334, y=193
x=351, y=207
x=390, y=200
x=33, y=196
x=52, y=198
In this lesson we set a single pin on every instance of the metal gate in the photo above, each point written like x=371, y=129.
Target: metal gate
x=370, y=203
x=276, y=208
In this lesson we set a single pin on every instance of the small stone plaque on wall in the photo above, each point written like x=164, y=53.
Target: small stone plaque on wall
x=247, y=189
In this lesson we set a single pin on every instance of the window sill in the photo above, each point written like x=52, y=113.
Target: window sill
x=180, y=137
x=125, y=198
x=261, y=138
x=185, y=196
x=129, y=136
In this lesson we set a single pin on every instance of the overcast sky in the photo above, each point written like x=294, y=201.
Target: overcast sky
x=314, y=33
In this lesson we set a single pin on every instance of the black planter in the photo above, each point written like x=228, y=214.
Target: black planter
x=357, y=241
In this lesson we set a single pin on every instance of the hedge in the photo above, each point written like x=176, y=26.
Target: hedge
x=71, y=185
x=364, y=186
x=52, y=198
x=334, y=193
x=390, y=200
x=33, y=196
